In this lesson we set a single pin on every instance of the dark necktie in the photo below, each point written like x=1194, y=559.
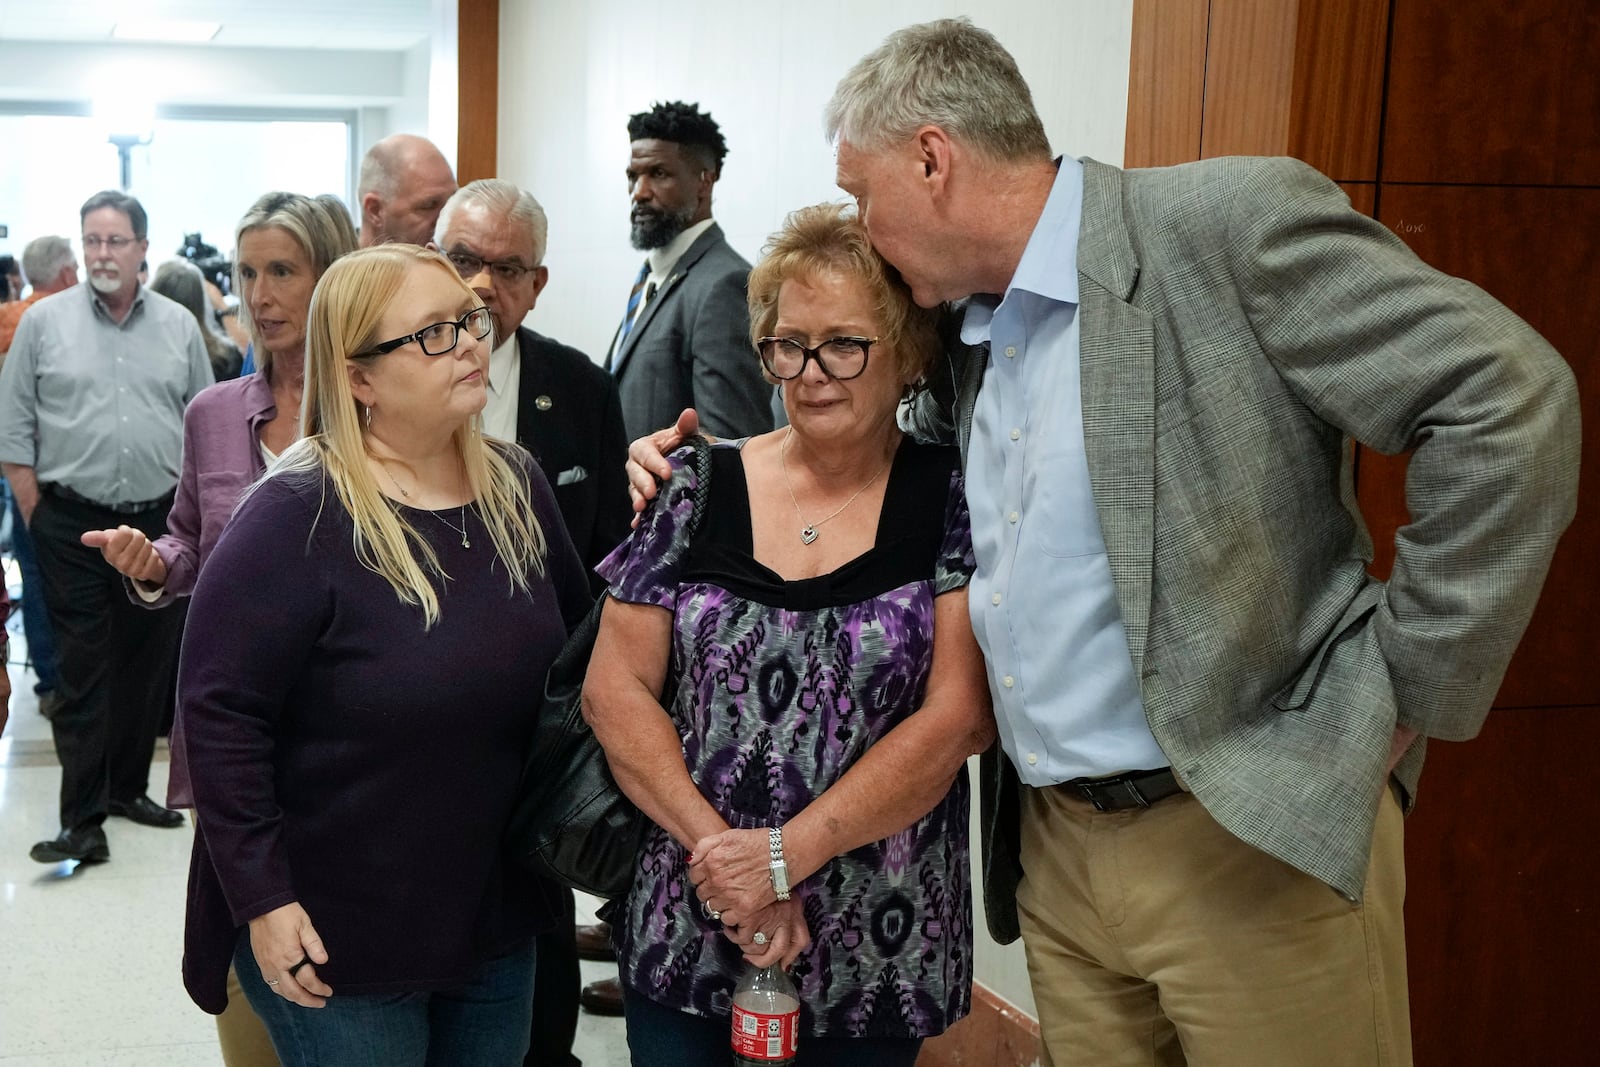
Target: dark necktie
x=635, y=296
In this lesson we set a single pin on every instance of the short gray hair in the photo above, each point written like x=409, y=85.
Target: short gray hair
x=948, y=74
x=499, y=195
x=45, y=257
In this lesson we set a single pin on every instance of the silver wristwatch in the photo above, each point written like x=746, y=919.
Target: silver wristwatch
x=780, y=870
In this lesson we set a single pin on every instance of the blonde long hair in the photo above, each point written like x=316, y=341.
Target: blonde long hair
x=346, y=308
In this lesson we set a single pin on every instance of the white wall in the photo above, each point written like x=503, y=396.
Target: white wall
x=571, y=73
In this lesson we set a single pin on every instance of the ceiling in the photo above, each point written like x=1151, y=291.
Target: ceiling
x=377, y=25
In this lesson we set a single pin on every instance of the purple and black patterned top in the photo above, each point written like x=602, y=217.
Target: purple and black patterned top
x=780, y=686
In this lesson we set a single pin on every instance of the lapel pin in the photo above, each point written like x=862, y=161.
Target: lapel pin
x=543, y=403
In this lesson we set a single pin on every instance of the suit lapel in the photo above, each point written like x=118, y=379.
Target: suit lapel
x=1117, y=357
x=532, y=383
x=701, y=245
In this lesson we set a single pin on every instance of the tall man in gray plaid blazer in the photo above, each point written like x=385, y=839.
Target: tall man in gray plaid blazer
x=1211, y=715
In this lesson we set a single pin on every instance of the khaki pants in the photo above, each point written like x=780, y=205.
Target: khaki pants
x=1155, y=937
x=241, y=1033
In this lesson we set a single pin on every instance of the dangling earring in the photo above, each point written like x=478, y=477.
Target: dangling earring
x=369, y=416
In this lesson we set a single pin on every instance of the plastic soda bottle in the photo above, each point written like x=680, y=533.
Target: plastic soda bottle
x=766, y=1018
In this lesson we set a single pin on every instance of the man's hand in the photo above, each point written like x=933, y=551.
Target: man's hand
x=130, y=552
x=647, y=459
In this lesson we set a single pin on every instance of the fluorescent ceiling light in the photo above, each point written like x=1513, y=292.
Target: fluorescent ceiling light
x=168, y=30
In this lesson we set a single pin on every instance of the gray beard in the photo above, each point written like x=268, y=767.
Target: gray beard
x=657, y=228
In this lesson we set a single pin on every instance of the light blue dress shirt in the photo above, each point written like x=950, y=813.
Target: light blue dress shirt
x=1043, y=603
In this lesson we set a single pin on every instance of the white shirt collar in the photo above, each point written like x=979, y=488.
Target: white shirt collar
x=663, y=259
x=506, y=357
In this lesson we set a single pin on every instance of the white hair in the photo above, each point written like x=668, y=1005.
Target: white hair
x=45, y=257
x=503, y=197
x=948, y=74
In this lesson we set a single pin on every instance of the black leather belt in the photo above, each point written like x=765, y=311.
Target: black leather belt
x=1135, y=789
x=133, y=508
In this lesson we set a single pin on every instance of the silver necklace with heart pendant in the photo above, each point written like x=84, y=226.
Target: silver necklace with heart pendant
x=808, y=530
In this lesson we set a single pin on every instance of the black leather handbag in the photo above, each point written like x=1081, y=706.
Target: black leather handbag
x=572, y=823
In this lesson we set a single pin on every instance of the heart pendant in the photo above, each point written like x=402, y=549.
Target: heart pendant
x=808, y=534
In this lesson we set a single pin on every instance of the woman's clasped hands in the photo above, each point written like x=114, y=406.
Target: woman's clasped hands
x=732, y=878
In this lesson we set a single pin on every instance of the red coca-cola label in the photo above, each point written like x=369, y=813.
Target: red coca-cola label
x=773, y=1038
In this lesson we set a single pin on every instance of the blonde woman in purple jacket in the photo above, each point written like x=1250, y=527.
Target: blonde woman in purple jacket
x=231, y=433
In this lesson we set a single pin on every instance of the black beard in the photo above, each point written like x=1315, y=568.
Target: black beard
x=654, y=228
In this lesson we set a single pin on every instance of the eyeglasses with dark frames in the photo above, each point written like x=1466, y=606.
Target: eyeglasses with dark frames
x=508, y=271
x=841, y=358
x=440, y=338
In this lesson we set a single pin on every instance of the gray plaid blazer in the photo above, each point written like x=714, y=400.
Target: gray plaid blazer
x=1240, y=325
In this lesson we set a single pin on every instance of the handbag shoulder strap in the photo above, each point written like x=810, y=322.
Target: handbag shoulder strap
x=702, y=483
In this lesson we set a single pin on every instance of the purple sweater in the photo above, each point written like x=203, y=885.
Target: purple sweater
x=348, y=759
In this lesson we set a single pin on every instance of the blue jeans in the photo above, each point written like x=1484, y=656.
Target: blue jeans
x=484, y=1022
x=659, y=1036
x=35, y=622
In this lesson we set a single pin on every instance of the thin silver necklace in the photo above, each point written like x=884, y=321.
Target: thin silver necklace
x=808, y=530
x=397, y=485
x=462, y=529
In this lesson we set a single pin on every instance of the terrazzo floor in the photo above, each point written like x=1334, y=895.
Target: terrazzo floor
x=89, y=955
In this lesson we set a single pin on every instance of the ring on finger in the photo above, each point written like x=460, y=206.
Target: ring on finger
x=759, y=938
x=272, y=981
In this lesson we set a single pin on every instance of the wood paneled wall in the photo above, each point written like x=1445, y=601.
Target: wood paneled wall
x=1472, y=129
x=477, y=89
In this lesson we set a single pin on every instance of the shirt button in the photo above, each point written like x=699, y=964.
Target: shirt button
x=1013, y=517
x=1011, y=351
x=1033, y=757
x=1016, y=435
x=995, y=600
x=1008, y=681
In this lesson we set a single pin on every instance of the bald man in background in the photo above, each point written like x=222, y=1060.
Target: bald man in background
x=404, y=183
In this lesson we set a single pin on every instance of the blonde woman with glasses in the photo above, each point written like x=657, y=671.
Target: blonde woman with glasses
x=356, y=680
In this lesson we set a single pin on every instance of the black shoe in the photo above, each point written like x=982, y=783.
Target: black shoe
x=594, y=943
x=87, y=845
x=602, y=998
x=141, y=809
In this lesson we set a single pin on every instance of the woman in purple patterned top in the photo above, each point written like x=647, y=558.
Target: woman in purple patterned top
x=826, y=691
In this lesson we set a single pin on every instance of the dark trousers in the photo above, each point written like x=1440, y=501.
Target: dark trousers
x=35, y=620
x=555, y=992
x=117, y=661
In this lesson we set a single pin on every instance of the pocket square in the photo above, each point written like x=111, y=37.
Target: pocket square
x=571, y=476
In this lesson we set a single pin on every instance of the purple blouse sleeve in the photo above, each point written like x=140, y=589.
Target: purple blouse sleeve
x=956, y=562
x=644, y=568
x=179, y=547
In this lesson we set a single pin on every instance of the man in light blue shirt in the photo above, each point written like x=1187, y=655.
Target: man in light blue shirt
x=1210, y=713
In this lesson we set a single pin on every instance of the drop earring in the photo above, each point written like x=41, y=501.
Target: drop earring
x=369, y=416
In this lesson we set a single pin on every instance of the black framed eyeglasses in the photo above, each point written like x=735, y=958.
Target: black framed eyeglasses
x=841, y=358
x=508, y=271
x=440, y=338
